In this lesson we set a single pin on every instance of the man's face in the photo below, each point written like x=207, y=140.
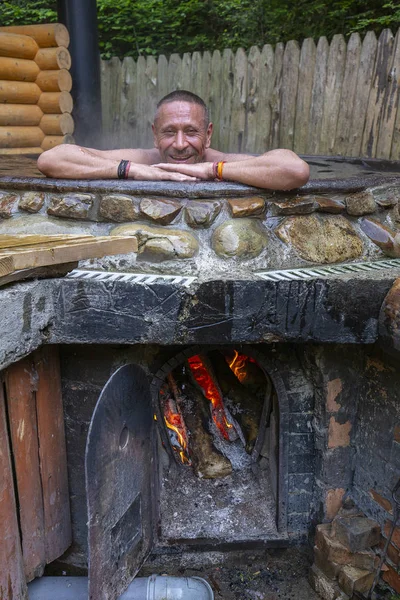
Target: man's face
x=180, y=132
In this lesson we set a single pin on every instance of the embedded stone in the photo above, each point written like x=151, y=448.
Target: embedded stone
x=386, y=196
x=42, y=224
x=360, y=203
x=247, y=207
x=8, y=205
x=202, y=214
x=156, y=243
x=335, y=552
x=299, y=205
x=31, y=201
x=329, y=205
x=356, y=533
x=160, y=210
x=240, y=238
x=353, y=580
x=71, y=206
x=382, y=236
x=321, y=240
x=118, y=208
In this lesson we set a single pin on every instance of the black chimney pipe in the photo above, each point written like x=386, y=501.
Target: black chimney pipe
x=80, y=18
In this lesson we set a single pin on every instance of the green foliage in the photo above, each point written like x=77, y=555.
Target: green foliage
x=143, y=27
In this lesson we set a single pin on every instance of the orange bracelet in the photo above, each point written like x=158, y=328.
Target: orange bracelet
x=220, y=167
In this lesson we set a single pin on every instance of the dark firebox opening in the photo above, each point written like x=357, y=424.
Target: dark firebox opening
x=218, y=417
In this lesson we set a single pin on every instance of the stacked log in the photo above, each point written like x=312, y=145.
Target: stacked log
x=35, y=86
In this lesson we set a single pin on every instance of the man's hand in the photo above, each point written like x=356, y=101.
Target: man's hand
x=195, y=171
x=157, y=173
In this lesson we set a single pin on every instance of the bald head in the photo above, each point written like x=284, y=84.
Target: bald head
x=184, y=96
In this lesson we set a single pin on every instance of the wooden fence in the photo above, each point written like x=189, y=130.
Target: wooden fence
x=334, y=99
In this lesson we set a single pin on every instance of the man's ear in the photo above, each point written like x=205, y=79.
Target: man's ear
x=154, y=136
x=209, y=135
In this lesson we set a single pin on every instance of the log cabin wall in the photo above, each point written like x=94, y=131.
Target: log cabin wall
x=35, y=86
x=34, y=496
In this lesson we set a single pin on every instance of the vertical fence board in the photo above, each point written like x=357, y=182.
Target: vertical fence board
x=151, y=93
x=225, y=114
x=52, y=451
x=128, y=112
x=348, y=96
x=113, y=102
x=21, y=402
x=186, y=72
x=162, y=78
x=303, y=102
x=317, y=96
x=276, y=97
x=206, y=78
x=196, y=73
x=290, y=78
x=363, y=86
x=215, y=95
x=252, y=104
x=263, y=123
x=333, y=90
x=377, y=92
x=141, y=102
x=236, y=138
x=390, y=104
x=174, y=73
x=12, y=577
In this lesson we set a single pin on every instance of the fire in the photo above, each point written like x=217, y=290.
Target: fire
x=179, y=438
x=205, y=381
x=238, y=365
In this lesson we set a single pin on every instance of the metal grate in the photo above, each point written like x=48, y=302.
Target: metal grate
x=331, y=271
x=130, y=277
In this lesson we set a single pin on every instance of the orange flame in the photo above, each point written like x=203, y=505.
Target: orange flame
x=238, y=365
x=174, y=422
x=212, y=394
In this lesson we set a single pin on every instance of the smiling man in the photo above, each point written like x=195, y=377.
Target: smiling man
x=182, y=136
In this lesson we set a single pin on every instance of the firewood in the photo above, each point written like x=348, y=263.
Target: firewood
x=46, y=35
x=18, y=69
x=17, y=46
x=248, y=406
x=207, y=461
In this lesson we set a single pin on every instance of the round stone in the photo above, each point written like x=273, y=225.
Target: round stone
x=160, y=243
x=328, y=239
x=240, y=238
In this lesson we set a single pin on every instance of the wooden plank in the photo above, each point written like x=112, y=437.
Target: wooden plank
x=304, y=91
x=11, y=241
x=111, y=89
x=253, y=99
x=21, y=401
x=52, y=451
x=141, y=108
x=12, y=577
x=206, y=78
x=215, y=96
x=317, y=96
x=39, y=273
x=58, y=253
x=390, y=104
x=128, y=114
x=263, y=124
x=238, y=127
x=290, y=79
x=225, y=112
x=186, y=82
x=151, y=99
x=196, y=73
x=162, y=79
x=333, y=91
x=377, y=93
x=349, y=94
x=363, y=86
x=276, y=97
x=174, y=73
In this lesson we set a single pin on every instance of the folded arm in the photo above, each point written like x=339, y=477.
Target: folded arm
x=68, y=161
x=275, y=170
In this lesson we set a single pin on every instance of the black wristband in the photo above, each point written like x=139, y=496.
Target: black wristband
x=122, y=169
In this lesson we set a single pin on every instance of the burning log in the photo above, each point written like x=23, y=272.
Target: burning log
x=247, y=407
x=174, y=421
x=207, y=461
x=202, y=374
